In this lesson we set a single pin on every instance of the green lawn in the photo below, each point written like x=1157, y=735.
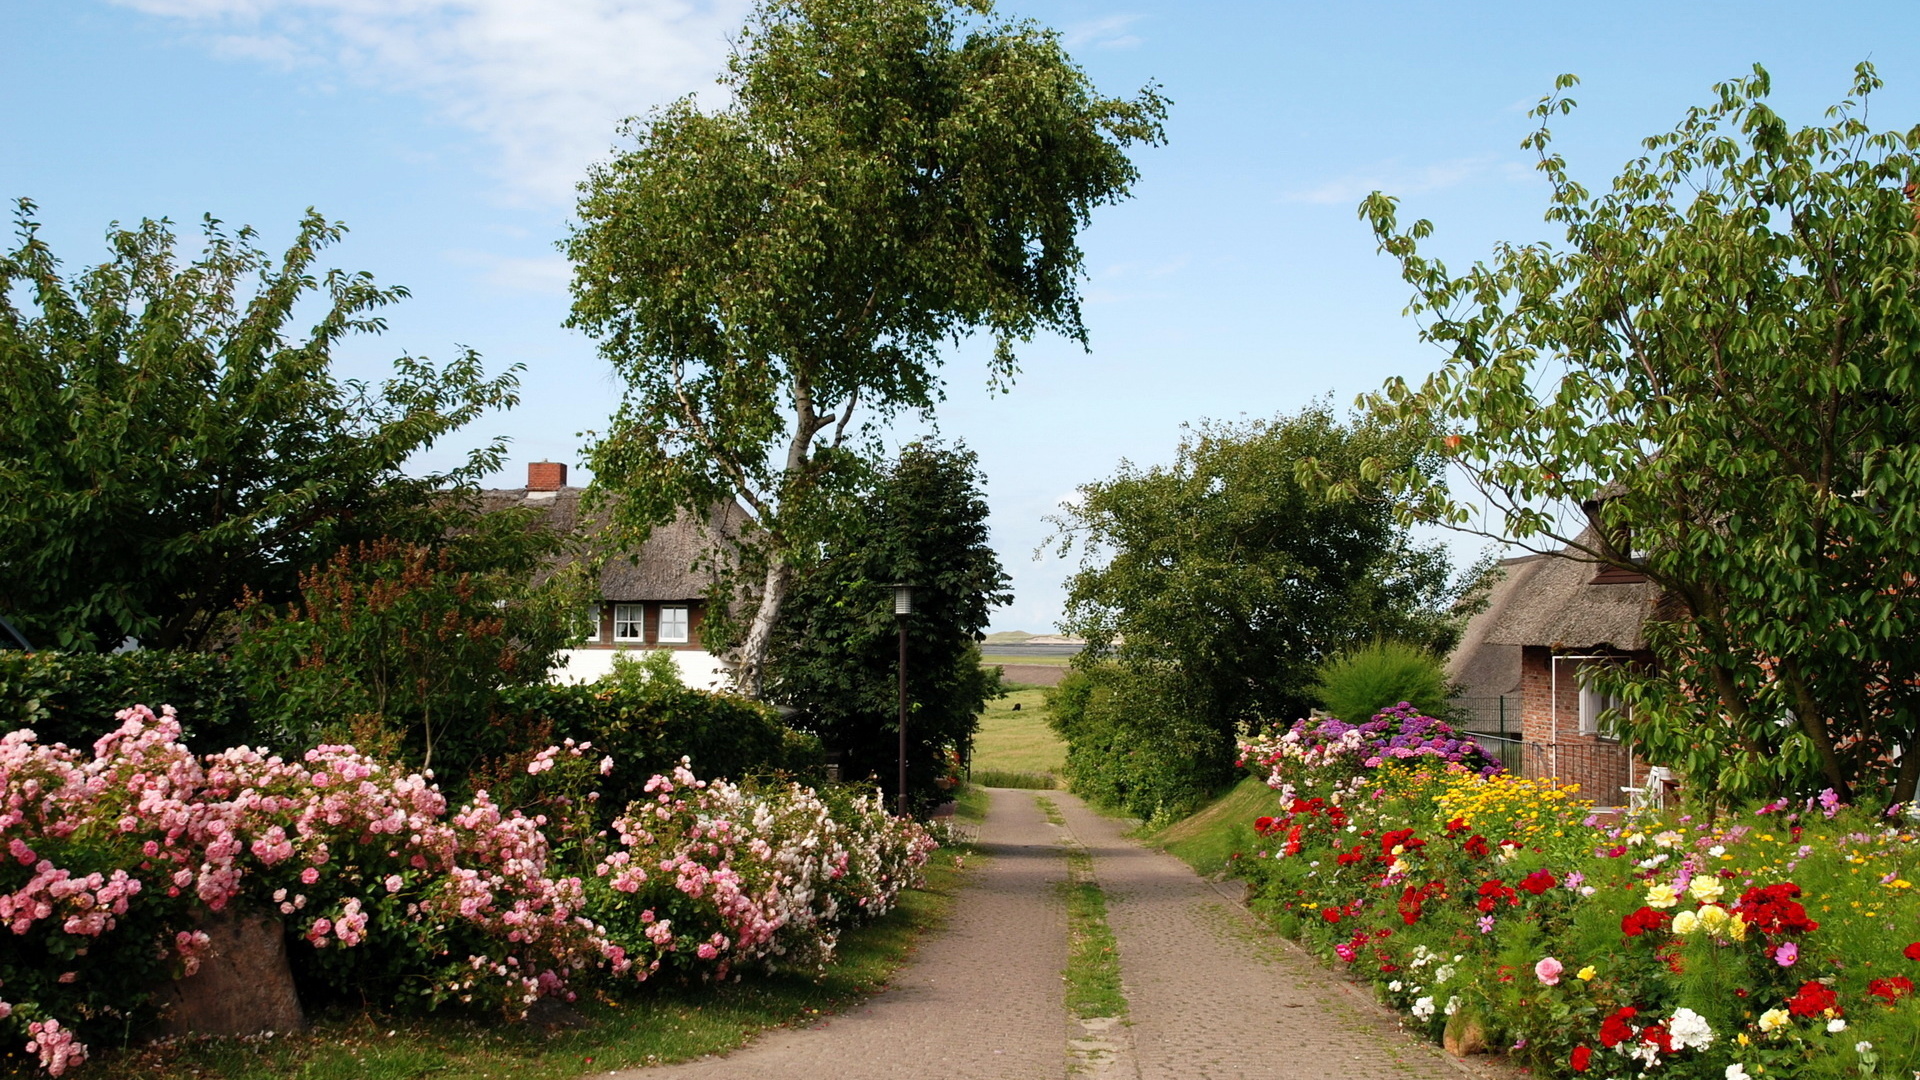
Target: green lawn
x=1211, y=836
x=1021, y=741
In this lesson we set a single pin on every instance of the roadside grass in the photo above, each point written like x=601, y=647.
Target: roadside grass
x=1209, y=838
x=1017, y=742
x=1093, y=956
x=652, y=1025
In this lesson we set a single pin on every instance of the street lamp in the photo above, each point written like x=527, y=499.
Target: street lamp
x=902, y=607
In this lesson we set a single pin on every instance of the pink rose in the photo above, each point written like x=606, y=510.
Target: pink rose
x=309, y=876
x=1548, y=971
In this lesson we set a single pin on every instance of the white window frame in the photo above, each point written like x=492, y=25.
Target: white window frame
x=685, y=620
x=1593, y=703
x=593, y=613
x=630, y=615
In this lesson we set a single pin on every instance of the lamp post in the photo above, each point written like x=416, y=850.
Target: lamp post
x=902, y=607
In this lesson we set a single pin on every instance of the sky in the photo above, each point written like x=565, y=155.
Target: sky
x=1236, y=283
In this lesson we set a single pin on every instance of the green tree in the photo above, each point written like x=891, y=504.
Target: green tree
x=888, y=175
x=1711, y=383
x=1221, y=582
x=835, y=656
x=411, y=644
x=167, y=442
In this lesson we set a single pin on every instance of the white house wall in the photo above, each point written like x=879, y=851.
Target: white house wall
x=698, y=669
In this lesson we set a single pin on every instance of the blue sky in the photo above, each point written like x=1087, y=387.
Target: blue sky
x=1237, y=282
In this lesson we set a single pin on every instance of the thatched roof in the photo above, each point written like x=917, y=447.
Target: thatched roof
x=664, y=566
x=1480, y=667
x=1552, y=600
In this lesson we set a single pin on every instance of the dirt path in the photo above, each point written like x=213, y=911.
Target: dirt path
x=982, y=999
x=1211, y=995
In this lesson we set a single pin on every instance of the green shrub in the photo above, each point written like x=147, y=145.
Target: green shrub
x=71, y=698
x=1358, y=683
x=1133, y=744
x=647, y=726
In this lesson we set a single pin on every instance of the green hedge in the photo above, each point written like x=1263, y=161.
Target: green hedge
x=72, y=697
x=647, y=728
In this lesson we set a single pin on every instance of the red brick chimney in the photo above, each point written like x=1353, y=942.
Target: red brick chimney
x=546, y=476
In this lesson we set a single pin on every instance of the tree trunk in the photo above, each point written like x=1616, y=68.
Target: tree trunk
x=750, y=676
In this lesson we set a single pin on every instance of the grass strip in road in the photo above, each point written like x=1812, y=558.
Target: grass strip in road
x=652, y=1025
x=1093, y=956
x=1011, y=779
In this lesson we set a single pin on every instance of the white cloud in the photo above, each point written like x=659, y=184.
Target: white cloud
x=544, y=275
x=1394, y=178
x=1108, y=33
x=544, y=81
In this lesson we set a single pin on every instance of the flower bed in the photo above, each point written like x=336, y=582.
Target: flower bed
x=1784, y=942
x=387, y=891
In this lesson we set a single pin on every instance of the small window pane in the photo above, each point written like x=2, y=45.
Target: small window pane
x=673, y=624
x=591, y=617
x=629, y=622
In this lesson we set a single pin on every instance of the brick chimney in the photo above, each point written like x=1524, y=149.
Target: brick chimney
x=546, y=476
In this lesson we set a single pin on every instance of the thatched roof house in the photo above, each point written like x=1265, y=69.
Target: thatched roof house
x=1549, y=621
x=651, y=597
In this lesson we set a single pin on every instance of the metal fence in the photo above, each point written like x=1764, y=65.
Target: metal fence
x=1498, y=715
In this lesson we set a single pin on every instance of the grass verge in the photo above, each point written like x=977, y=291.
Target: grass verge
x=1093, y=956
x=654, y=1025
x=1210, y=837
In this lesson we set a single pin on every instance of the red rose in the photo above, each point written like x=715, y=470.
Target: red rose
x=1642, y=921
x=1582, y=1057
x=1538, y=882
x=1476, y=845
x=1262, y=824
x=1892, y=989
x=1331, y=914
x=1912, y=952
x=1615, y=1030
x=1812, y=999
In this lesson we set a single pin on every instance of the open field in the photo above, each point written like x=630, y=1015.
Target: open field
x=1011, y=741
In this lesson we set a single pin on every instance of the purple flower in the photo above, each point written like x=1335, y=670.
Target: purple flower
x=1786, y=954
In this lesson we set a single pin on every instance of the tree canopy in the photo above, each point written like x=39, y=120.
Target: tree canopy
x=1711, y=383
x=1210, y=591
x=887, y=176
x=168, y=442
x=835, y=655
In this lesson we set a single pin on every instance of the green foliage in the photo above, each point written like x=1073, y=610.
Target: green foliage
x=419, y=639
x=836, y=658
x=1711, y=383
x=71, y=698
x=167, y=440
x=1359, y=682
x=1134, y=744
x=647, y=728
x=1211, y=589
x=888, y=175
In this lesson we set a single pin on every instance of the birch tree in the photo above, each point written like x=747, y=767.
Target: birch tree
x=774, y=278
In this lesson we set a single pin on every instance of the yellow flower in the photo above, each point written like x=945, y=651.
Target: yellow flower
x=1585, y=974
x=1706, y=889
x=1662, y=896
x=1686, y=923
x=1737, y=929
x=1773, y=1020
x=1713, y=918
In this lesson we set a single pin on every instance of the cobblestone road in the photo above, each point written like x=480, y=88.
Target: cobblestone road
x=1211, y=996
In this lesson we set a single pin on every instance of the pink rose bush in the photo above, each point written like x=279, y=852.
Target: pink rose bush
x=110, y=863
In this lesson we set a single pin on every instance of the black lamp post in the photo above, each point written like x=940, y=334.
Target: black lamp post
x=902, y=607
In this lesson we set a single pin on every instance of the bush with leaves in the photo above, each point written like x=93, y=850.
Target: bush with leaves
x=169, y=440
x=416, y=639
x=1360, y=682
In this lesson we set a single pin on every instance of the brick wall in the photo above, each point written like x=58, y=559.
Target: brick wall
x=1555, y=748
